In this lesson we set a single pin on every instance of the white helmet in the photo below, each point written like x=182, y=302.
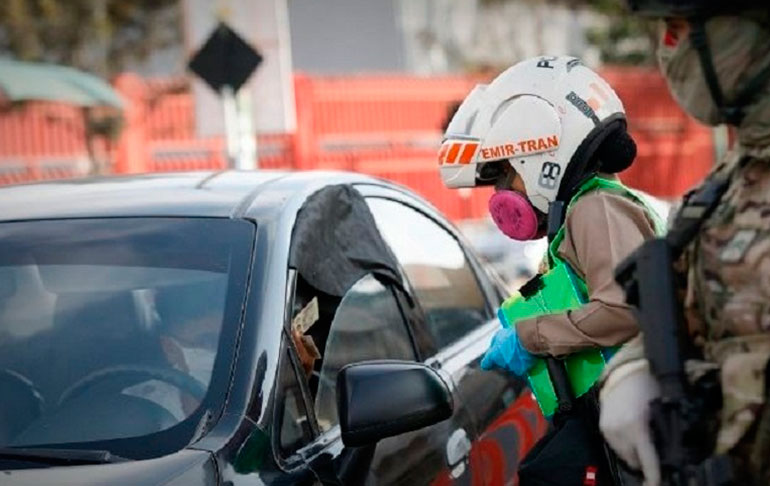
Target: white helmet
x=546, y=116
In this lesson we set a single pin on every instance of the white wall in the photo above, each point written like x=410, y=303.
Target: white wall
x=345, y=36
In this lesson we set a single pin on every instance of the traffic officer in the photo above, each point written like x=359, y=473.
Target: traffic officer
x=550, y=134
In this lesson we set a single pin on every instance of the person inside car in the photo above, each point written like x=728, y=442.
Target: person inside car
x=188, y=320
x=550, y=134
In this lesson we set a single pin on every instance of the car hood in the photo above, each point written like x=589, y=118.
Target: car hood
x=187, y=467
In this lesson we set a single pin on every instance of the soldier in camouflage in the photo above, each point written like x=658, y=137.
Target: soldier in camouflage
x=715, y=56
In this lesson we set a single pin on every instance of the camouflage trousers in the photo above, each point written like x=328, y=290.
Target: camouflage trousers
x=744, y=422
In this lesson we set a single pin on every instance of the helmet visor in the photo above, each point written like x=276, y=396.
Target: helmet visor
x=493, y=173
x=463, y=118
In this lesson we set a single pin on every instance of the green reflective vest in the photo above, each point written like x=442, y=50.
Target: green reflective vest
x=557, y=291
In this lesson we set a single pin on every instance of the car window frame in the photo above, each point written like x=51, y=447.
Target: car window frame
x=490, y=288
x=293, y=460
x=321, y=439
x=489, y=291
x=394, y=289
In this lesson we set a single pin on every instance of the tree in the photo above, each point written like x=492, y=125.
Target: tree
x=621, y=39
x=490, y=35
x=626, y=39
x=100, y=36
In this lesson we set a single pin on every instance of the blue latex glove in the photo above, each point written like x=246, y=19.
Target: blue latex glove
x=506, y=352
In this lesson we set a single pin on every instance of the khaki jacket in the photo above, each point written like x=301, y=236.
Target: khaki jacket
x=601, y=229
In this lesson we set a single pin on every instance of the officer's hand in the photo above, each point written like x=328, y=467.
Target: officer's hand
x=625, y=417
x=506, y=352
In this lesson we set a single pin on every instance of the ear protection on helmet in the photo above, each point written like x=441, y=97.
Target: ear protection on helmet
x=608, y=147
x=617, y=152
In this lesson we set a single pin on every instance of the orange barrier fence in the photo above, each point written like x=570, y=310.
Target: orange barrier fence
x=41, y=141
x=387, y=126
x=674, y=151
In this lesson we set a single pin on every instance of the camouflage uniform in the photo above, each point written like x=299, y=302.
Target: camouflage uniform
x=726, y=269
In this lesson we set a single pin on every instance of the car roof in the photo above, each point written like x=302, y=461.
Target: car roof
x=225, y=194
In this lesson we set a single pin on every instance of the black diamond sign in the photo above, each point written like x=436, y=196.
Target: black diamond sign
x=225, y=59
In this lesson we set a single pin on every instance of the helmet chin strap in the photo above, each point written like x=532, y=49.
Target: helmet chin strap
x=732, y=113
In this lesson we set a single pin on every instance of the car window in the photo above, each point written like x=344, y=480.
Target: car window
x=435, y=264
x=367, y=325
x=98, y=315
x=295, y=429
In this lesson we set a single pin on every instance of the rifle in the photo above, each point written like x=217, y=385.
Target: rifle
x=679, y=414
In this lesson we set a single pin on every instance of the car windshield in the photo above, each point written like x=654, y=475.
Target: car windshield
x=111, y=329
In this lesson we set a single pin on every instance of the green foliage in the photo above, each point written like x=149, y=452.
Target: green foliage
x=626, y=39
x=96, y=35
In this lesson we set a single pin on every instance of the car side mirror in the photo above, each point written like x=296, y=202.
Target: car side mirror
x=379, y=399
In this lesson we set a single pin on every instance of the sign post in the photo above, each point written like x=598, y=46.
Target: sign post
x=225, y=62
x=232, y=133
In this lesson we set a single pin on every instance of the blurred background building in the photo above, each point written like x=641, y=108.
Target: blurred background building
x=362, y=85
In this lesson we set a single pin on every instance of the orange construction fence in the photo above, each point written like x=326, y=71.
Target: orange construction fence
x=386, y=126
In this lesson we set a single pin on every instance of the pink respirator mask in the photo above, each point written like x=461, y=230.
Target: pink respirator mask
x=514, y=215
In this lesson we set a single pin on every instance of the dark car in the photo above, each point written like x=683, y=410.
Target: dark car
x=247, y=328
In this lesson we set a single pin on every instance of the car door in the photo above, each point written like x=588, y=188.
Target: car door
x=368, y=323
x=458, y=300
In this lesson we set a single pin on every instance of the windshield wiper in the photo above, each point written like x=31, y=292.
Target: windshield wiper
x=60, y=456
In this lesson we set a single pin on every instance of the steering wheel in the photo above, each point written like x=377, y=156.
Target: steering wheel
x=22, y=403
x=172, y=376
x=21, y=382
